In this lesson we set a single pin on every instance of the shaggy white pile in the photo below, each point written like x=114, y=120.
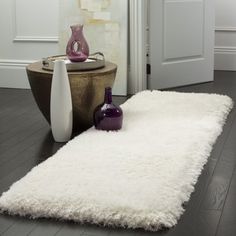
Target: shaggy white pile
x=138, y=177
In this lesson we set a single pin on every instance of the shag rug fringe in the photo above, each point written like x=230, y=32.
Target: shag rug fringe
x=138, y=177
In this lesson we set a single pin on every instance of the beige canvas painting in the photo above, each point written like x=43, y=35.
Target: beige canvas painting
x=105, y=28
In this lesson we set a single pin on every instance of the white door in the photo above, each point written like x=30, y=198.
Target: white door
x=181, y=42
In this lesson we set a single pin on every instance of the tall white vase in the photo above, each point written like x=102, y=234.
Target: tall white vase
x=61, y=103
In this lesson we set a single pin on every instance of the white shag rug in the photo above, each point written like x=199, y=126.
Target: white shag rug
x=138, y=177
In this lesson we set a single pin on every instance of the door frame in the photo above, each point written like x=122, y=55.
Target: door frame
x=138, y=33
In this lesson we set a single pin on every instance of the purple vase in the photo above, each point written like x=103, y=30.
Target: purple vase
x=108, y=116
x=77, y=49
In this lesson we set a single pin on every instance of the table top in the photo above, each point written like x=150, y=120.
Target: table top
x=109, y=67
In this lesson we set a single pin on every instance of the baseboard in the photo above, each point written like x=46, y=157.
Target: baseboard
x=225, y=58
x=13, y=74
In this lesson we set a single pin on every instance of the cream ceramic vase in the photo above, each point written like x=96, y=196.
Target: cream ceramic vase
x=61, y=104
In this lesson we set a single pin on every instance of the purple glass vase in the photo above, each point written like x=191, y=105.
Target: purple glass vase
x=108, y=116
x=77, y=49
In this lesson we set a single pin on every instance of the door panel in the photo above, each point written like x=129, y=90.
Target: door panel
x=177, y=30
x=181, y=42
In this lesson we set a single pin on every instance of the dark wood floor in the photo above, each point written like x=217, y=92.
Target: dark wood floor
x=26, y=140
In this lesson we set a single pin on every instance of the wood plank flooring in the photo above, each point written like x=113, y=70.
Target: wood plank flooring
x=26, y=140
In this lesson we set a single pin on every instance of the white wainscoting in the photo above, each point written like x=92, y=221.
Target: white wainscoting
x=225, y=35
x=13, y=74
x=225, y=54
x=29, y=32
x=225, y=58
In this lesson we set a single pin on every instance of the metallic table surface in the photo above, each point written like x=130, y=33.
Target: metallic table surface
x=87, y=91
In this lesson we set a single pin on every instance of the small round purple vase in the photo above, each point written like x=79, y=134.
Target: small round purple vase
x=77, y=49
x=108, y=116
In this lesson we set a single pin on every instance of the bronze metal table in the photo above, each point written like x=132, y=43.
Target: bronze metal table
x=87, y=90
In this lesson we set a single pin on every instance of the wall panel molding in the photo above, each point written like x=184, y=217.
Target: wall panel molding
x=17, y=37
x=39, y=39
x=225, y=34
x=225, y=58
x=225, y=29
x=225, y=50
x=30, y=33
x=14, y=63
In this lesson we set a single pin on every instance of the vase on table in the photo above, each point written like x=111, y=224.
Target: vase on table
x=61, y=103
x=77, y=49
x=108, y=116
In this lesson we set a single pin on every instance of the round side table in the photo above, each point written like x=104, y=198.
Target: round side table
x=87, y=91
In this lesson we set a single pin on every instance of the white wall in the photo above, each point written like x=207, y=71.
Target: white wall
x=225, y=40
x=29, y=32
